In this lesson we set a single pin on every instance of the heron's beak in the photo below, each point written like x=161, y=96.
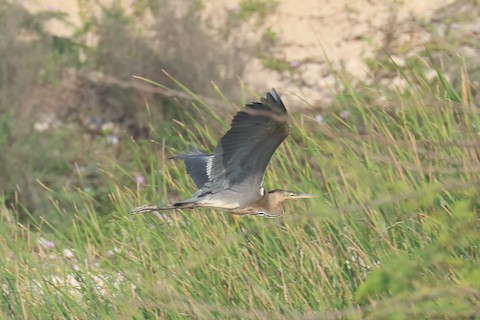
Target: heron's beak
x=300, y=195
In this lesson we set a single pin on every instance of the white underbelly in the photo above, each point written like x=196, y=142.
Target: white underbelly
x=220, y=204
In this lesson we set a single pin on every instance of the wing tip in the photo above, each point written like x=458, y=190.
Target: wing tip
x=271, y=103
x=274, y=96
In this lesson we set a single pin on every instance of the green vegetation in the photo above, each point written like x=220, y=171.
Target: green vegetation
x=46, y=82
x=270, y=35
x=255, y=8
x=394, y=232
x=273, y=63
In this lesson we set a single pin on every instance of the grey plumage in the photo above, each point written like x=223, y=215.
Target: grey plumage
x=196, y=162
x=242, y=154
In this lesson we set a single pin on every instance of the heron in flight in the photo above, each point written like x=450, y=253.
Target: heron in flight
x=232, y=177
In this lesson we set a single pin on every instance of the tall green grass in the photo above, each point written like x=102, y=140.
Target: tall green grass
x=393, y=234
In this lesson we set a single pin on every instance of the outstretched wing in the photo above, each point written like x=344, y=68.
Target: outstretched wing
x=241, y=157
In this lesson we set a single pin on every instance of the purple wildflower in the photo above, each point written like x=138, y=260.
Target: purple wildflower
x=344, y=114
x=140, y=179
x=295, y=64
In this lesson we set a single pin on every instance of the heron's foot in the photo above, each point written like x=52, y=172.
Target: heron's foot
x=147, y=208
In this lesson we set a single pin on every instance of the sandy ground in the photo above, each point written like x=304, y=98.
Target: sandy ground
x=347, y=32
x=344, y=30
x=321, y=35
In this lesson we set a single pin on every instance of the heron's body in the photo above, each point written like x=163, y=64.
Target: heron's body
x=231, y=177
x=260, y=205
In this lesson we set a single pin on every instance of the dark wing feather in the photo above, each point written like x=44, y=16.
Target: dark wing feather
x=197, y=165
x=245, y=150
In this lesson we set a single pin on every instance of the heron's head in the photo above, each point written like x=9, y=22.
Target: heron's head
x=275, y=202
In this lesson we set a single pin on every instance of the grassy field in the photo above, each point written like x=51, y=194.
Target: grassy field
x=393, y=234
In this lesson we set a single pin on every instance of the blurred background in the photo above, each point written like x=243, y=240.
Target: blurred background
x=95, y=95
x=69, y=101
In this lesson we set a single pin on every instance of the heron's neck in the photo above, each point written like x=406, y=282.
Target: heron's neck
x=273, y=205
